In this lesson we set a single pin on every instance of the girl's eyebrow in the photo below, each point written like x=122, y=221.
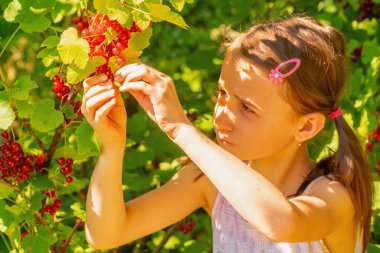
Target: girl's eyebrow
x=249, y=102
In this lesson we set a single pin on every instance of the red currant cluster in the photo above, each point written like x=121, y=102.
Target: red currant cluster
x=80, y=23
x=14, y=163
x=59, y=88
x=371, y=139
x=368, y=9
x=356, y=53
x=53, y=208
x=94, y=32
x=66, y=168
x=186, y=228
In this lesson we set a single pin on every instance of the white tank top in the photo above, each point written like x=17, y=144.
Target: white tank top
x=233, y=234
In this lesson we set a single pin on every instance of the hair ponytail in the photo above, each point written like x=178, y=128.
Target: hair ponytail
x=350, y=164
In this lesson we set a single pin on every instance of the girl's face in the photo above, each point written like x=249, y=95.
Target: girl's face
x=251, y=120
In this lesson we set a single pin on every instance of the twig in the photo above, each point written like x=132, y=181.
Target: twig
x=16, y=189
x=33, y=134
x=66, y=244
x=137, y=248
x=58, y=132
x=6, y=45
x=169, y=233
x=3, y=78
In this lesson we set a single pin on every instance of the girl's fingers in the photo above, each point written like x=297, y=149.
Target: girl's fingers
x=136, y=86
x=103, y=111
x=123, y=71
x=94, y=102
x=87, y=83
x=95, y=90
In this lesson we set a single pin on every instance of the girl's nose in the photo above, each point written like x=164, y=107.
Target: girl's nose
x=223, y=117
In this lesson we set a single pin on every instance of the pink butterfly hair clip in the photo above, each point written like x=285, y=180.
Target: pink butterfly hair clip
x=276, y=76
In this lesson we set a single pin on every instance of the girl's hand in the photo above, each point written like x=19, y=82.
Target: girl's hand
x=103, y=107
x=156, y=93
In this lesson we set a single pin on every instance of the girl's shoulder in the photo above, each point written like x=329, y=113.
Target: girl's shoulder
x=327, y=178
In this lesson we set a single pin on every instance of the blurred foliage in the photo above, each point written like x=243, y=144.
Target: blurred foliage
x=193, y=58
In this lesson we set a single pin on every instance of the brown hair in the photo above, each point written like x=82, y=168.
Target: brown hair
x=319, y=48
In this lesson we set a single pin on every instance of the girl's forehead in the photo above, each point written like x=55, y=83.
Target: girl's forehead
x=242, y=73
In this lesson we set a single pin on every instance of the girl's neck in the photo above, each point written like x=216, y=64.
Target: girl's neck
x=286, y=170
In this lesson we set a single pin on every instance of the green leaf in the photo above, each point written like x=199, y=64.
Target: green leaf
x=110, y=34
x=163, y=12
x=45, y=118
x=7, y=116
x=36, y=201
x=72, y=49
x=140, y=41
x=50, y=42
x=48, y=55
x=52, y=72
x=86, y=141
x=68, y=111
x=29, y=14
x=75, y=75
x=41, y=182
x=5, y=190
x=142, y=19
x=5, y=217
x=22, y=86
x=113, y=9
x=178, y=4
x=12, y=11
x=24, y=109
x=30, y=22
x=79, y=210
x=38, y=243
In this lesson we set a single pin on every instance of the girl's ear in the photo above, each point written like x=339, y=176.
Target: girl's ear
x=308, y=126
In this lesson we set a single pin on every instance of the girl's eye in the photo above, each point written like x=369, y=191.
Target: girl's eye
x=247, y=109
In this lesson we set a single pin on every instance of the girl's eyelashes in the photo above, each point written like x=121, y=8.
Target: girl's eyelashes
x=247, y=109
x=221, y=92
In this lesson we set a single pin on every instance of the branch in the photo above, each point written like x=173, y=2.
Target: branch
x=58, y=132
x=32, y=133
x=16, y=189
x=169, y=233
x=67, y=240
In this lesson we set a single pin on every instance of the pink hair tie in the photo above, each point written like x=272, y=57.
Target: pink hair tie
x=336, y=113
x=276, y=76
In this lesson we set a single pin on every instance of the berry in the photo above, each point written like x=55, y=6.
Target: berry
x=69, y=179
x=69, y=161
x=120, y=61
x=40, y=159
x=61, y=161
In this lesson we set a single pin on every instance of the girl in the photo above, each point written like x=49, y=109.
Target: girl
x=279, y=83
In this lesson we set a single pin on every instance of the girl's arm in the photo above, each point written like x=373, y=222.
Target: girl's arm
x=110, y=222
x=305, y=218
x=254, y=197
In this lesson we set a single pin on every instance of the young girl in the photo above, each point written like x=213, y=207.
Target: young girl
x=279, y=84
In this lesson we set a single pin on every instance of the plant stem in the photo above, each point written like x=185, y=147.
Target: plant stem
x=58, y=132
x=169, y=233
x=33, y=134
x=16, y=189
x=64, y=247
x=3, y=78
x=9, y=40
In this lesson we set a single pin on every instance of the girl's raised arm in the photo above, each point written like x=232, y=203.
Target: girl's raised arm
x=110, y=222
